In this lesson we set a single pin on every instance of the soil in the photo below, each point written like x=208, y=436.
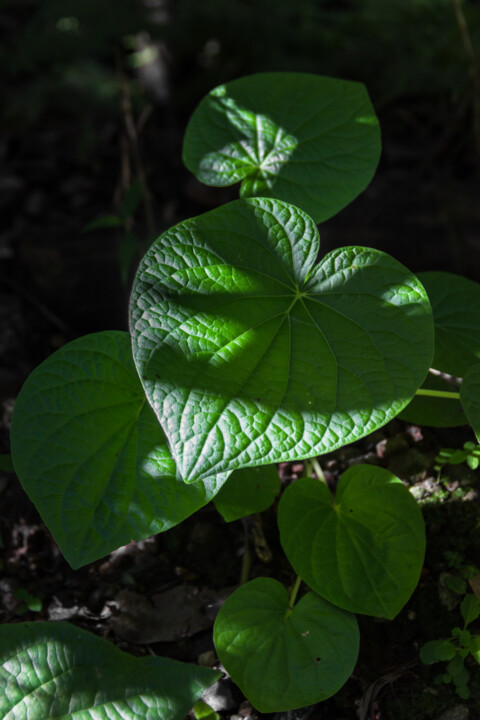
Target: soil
x=58, y=282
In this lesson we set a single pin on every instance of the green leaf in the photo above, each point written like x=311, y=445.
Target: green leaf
x=456, y=668
x=310, y=140
x=91, y=455
x=105, y=221
x=456, y=312
x=202, y=711
x=6, y=464
x=470, y=398
x=437, y=650
x=475, y=648
x=248, y=491
x=362, y=550
x=470, y=608
x=55, y=670
x=283, y=658
x=250, y=354
x=435, y=411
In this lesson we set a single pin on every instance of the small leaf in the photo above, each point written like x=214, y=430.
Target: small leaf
x=463, y=691
x=374, y=533
x=105, y=221
x=310, y=140
x=91, y=455
x=55, y=670
x=437, y=650
x=202, y=711
x=470, y=398
x=456, y=668
x=247, y=491
x=475, y=648
x=283, y=658
x=251, y=354
x=470, y=608
x=455, y=304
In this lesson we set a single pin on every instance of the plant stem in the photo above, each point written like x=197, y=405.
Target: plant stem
x=318, y=470
x=294, y=592
x=439, y=393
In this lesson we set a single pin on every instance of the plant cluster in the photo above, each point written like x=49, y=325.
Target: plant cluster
x=245, y=350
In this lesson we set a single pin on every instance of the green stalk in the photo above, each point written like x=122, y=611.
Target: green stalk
x=439, y=393
x=294, y=592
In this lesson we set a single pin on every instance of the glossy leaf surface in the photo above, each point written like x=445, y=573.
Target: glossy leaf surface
x=456, y=311
x=251, y=355
x=280, y=658
x=91, y=455
x=470, y=398
x=55, y=670
x=247, y=491
x=362, y=550
x=310, y=140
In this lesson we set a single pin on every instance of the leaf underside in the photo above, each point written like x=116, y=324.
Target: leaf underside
x=310, y=140
x=250, y=355
x=91, y=455
x=374, y=533
x=55, y=670
x=284, y=659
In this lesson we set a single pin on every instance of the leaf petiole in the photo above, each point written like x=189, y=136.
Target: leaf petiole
x=439, y=393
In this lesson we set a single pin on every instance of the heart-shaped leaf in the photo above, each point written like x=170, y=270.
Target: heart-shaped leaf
x=284, y=658
x=91, y=455
x=247, y=491
x=55, y=670
x=470, y=398
x=310, y=140
x=435, y=411
x=455, y=304
x=251, y=355
x=362, y=550
x=437, y=650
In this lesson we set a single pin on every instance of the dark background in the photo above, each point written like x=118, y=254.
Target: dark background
x=96, y=95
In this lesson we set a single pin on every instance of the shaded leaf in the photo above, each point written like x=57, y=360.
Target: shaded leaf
x=91, y=455
x=435, y=411
x=310, y=140
x=284, y=658
x=470, y=398
x=436, y=651
x=455, y=304
x=374, y=532
x=470, y=608
x=247, y=491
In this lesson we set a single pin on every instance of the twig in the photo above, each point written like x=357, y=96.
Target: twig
x=132, y=137
x=473, y=69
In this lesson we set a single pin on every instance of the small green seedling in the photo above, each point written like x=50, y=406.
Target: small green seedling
x=456, y=649
x=248, y=348
x=449, y=456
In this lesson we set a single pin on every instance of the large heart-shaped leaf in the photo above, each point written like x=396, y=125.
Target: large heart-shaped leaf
x=55, y=670
x=362, y=550
x=456, y=312
x=91, y=454
x=284, y=658
x=470, y=398
x=251, y=355
x=311, y=140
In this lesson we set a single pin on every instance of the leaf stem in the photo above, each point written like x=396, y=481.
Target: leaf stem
x=294, y=592
x=318, y=470
x=439, y=393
